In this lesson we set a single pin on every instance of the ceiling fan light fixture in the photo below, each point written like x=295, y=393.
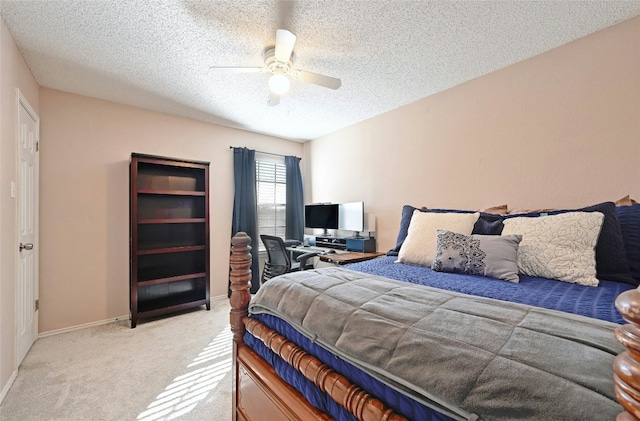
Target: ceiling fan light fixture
x=278, y=60
x=279, y=83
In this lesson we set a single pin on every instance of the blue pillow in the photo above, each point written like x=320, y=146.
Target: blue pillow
x=629, y=218
x=487, y=224
x=407, y=213
x=612, y=263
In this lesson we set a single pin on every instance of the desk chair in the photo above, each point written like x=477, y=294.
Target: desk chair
x=278, y=260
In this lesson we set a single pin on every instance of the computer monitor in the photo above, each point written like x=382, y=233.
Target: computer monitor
x=351, y=217
x=323, y=216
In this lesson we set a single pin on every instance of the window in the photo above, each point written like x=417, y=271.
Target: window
x=271, y=187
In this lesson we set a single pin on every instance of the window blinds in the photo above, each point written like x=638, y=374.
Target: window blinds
x=271, y=189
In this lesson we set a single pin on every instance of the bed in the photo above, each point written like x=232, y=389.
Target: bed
x=489, y=349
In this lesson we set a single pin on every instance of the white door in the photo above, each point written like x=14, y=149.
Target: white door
x=27, y=189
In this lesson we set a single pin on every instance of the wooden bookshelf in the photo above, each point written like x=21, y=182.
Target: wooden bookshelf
x=169, y=235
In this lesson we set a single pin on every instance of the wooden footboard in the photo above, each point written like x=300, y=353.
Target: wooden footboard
x=258, y=392
x=626, y=366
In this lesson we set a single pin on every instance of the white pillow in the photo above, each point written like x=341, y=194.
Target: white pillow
x=419, y=248
x=558, y=247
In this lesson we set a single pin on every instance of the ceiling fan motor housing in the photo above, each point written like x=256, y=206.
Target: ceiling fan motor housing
x=275, y=66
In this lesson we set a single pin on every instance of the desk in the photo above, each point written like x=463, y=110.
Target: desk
x=340, y=257
x=349, y=257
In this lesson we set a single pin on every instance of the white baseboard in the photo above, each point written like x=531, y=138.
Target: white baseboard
x=220, y=298
x=7, y=386
x=82, y=326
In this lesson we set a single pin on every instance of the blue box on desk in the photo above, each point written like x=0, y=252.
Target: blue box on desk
x=363, y=245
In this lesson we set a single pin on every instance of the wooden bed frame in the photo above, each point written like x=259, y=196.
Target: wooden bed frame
x=260, y=394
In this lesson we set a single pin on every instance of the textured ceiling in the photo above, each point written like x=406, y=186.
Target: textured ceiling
x=158, y=54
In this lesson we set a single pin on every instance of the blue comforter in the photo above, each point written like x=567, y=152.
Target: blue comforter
x=597, y=302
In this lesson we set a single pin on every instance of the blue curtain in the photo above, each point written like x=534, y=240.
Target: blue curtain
x=294, y=214
x=245, y=207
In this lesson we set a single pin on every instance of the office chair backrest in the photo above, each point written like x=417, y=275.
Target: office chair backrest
x=278, y=261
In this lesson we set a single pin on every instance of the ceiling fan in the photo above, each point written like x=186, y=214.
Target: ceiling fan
x=279, y=61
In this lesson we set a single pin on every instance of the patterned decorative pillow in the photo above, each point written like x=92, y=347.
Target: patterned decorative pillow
x=419, y=248
x=494, y=256
x=559, y=246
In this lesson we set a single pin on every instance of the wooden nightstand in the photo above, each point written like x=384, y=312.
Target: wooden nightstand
x=351, y=257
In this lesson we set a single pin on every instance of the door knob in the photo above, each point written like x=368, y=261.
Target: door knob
x=28, y=246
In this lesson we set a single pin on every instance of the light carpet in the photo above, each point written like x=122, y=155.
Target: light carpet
x=173, y=368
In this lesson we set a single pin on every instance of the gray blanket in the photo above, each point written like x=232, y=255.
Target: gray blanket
x=465, y=356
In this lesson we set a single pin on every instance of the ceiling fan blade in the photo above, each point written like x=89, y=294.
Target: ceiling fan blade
x=317, y=79
x=274, y=99
x=215, y=69
x=285, y=41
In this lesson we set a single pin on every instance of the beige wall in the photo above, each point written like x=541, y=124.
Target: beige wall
x=84, y=197
x=561, y=129
x=14, y=73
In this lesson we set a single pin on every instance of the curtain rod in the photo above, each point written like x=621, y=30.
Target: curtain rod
x=266, y=153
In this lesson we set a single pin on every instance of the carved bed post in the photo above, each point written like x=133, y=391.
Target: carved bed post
x=626, y=365
x=240, y=278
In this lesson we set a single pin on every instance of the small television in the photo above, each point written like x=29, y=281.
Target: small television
x=351, y=217
x=323, y=216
